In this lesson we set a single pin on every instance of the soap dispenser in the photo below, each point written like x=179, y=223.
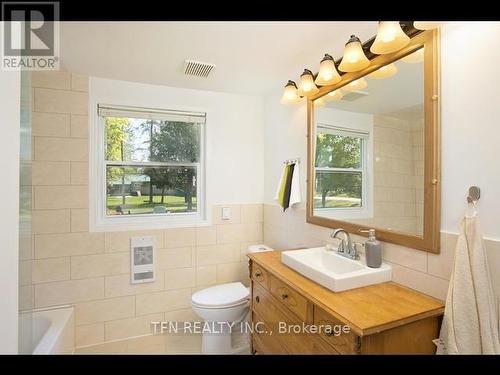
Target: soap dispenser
x=373, y=250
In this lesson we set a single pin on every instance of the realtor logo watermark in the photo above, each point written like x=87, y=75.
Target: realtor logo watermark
x=281, y=328
x=30, y=35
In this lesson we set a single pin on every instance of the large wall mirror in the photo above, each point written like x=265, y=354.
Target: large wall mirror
x=373, y=145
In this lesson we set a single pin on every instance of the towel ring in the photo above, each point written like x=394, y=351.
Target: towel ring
x=472, y=198
x=474, y=194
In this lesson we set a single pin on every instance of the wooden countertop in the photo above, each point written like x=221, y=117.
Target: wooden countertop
x=367, y=310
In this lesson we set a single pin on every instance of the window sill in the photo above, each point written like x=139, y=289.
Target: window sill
x=146, y=222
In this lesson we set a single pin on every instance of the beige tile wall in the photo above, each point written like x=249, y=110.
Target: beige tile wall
x=91, y=270
x=419, y=270
x=398, y=158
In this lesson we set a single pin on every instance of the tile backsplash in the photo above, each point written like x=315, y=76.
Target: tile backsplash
x=398, y=173
x=92, y=270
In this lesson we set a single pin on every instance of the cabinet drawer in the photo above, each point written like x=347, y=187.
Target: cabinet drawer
x=291, y=299
x=260, y=275
x=306, y=344
x=265, y=308
x=270, y=314
x=263, y=342
x=345, y=343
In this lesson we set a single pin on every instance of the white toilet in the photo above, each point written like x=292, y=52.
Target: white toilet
x=220, y=305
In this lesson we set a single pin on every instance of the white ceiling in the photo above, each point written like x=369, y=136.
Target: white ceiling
x=250, y=57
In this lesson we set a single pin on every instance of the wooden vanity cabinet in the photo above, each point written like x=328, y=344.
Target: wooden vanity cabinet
x=380, y=319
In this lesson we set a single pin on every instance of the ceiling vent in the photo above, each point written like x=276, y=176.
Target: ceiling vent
x=197, y=68
x=353, y=95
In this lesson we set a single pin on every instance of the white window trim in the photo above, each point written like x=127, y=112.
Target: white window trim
x=100, y=222
x=366, y=211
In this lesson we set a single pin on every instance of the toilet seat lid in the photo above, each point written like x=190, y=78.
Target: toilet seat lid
x=221, y=295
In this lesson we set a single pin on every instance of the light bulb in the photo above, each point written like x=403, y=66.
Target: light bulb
x=334, y=95
x=384, y=72
x=390, y=38
x=327, y=74
x=306, y=84
x=290, y=95
x=358, y=84
x=354, y=58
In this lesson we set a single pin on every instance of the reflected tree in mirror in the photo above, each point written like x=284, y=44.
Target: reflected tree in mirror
x=334, y=183
x=337, y=151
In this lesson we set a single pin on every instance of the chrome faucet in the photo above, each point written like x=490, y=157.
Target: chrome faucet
x=346, y=247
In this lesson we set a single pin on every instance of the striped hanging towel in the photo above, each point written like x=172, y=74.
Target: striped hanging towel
x=285, y=186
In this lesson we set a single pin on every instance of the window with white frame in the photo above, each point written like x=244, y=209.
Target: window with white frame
x=152, y=164
x=341, y=169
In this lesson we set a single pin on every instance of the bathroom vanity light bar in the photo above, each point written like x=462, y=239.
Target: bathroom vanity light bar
x=391, y=37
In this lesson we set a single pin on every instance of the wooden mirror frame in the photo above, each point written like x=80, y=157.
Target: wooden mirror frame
x=430, y=240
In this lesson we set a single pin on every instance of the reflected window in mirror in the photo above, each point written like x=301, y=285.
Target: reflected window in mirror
x=342, y=160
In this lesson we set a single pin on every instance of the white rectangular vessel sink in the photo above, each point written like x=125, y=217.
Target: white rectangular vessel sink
x=333, y=271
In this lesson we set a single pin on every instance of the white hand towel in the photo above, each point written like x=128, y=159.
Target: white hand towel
x=295, y=196
x=470, y=322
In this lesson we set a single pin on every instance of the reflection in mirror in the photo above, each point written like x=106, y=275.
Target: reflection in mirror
x=369, y=154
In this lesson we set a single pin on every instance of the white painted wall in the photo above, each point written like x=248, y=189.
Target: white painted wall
x=285, y=132
x=10, y=87
x=235, y=134
x=471, y=122
x=470, y=125
x=345, y=119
